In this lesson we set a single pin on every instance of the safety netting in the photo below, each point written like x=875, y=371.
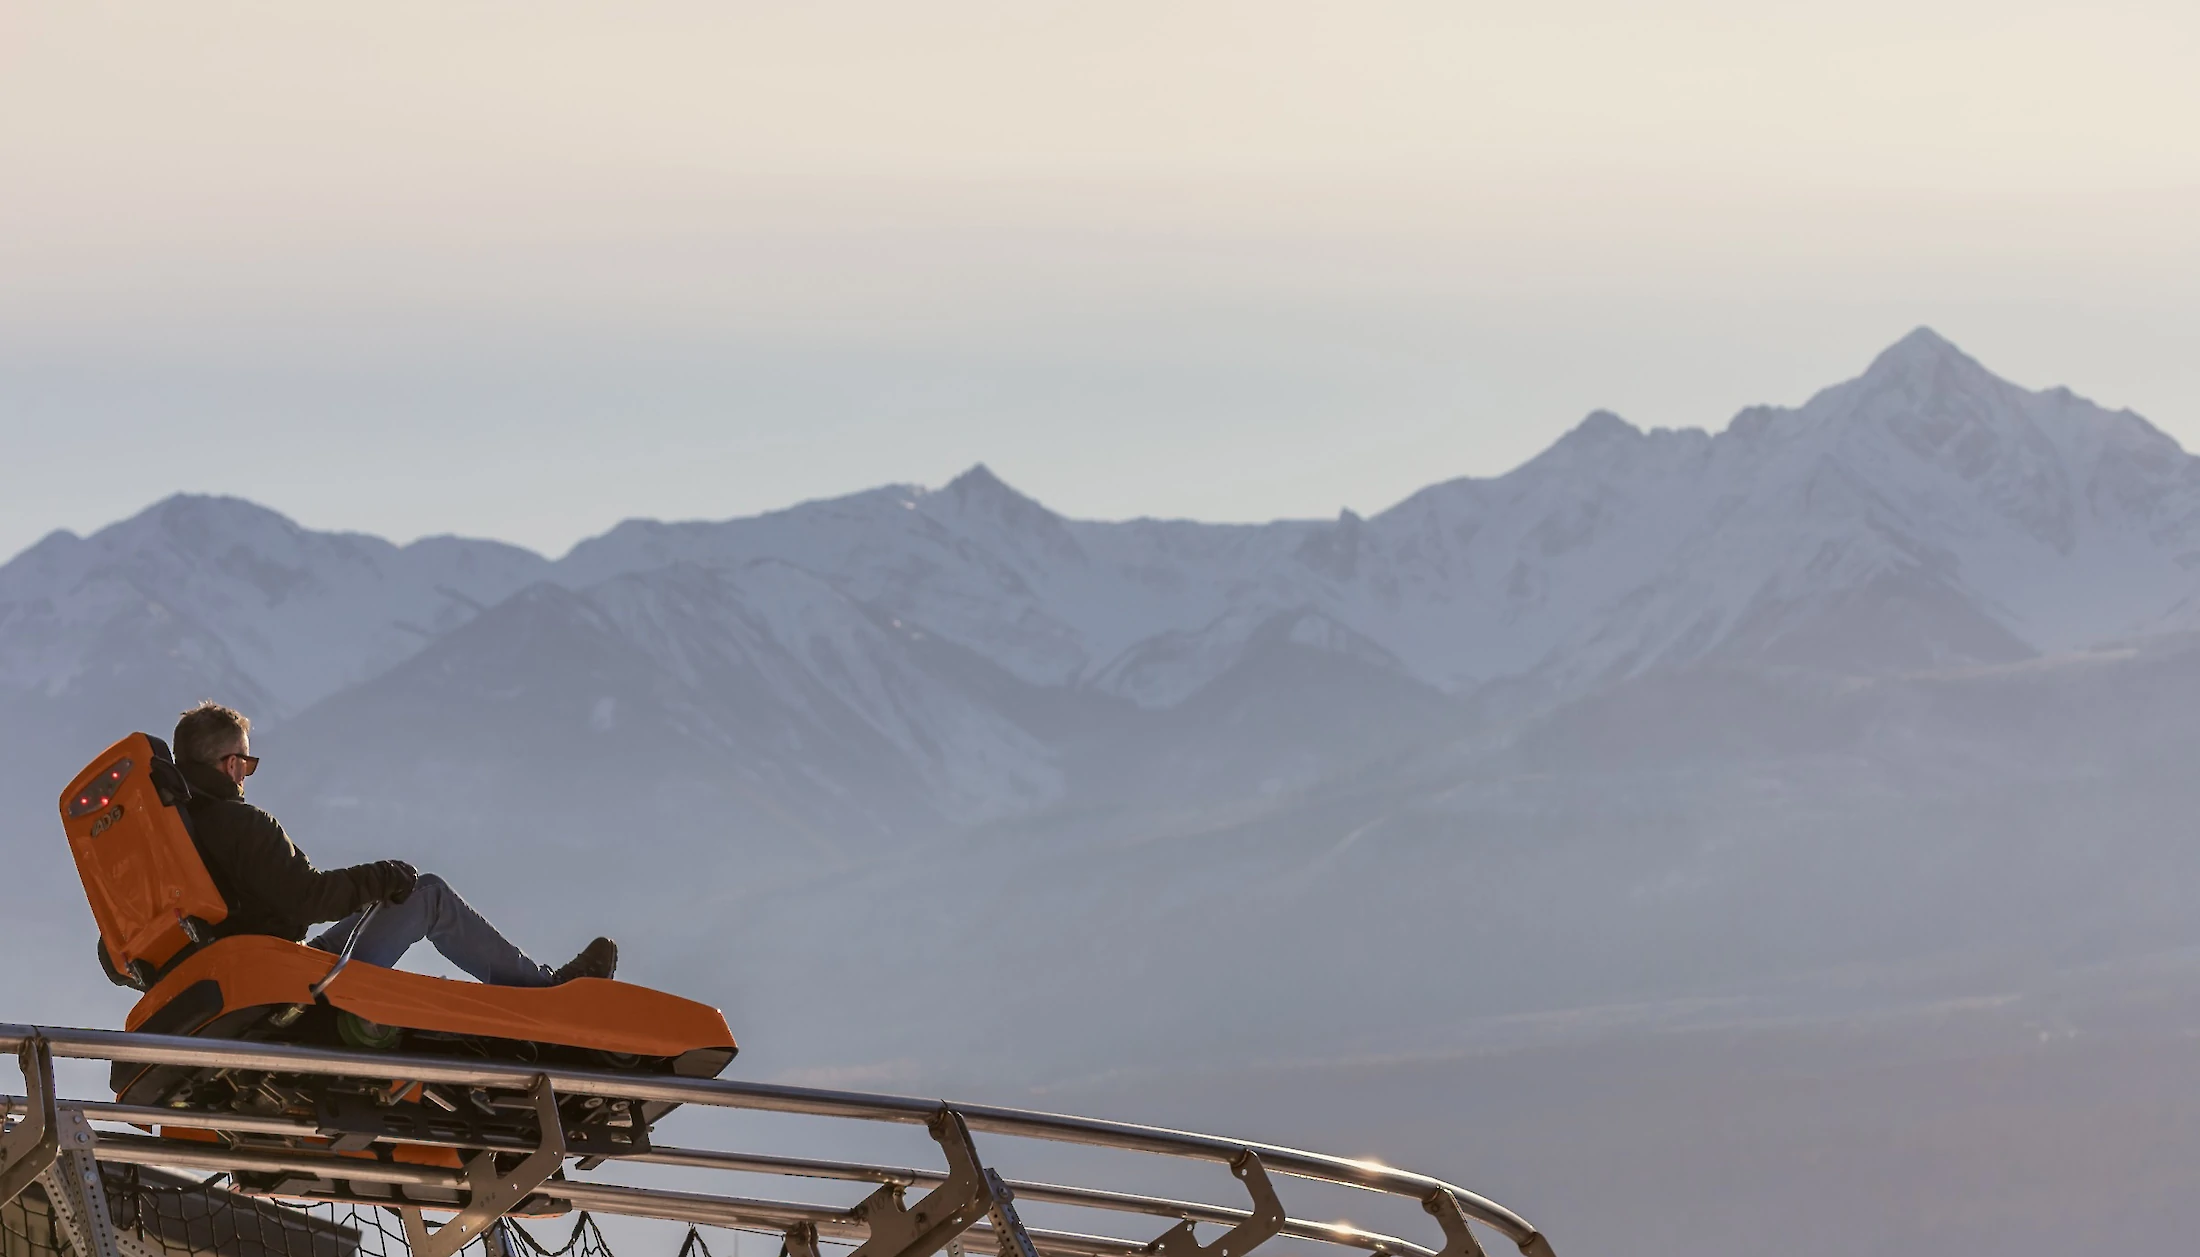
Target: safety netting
x=177, y=1216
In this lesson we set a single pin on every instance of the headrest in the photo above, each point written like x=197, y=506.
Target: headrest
x=167, y=777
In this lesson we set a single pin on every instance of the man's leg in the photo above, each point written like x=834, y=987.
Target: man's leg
x=436, y=913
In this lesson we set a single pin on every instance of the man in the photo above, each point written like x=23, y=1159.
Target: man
x=272, y=888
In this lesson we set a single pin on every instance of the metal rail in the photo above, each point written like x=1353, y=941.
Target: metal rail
x=643, y=1202
x=1436, y=1196
x=206, y=1156
x=1048, y=1193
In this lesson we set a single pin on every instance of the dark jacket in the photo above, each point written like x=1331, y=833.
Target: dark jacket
x=270, y=885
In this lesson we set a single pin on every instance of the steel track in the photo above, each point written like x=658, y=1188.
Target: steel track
x=1451, y=1205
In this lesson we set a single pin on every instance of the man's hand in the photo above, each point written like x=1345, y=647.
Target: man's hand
x=393, y=879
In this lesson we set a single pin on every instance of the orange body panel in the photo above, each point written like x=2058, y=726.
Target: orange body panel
x=403, y=1154
x=609, y=1016
x=140, y=870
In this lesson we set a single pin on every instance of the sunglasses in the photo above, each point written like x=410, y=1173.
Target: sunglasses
x=251, y=762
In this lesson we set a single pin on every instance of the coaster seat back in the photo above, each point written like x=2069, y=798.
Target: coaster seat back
x=149, y=889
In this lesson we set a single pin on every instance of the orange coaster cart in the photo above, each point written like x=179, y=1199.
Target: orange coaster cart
x=157, y=909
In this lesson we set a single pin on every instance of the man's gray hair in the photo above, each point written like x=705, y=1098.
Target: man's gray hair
x=209, y=731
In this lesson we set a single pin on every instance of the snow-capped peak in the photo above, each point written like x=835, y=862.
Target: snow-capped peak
x=979, y=487
x=1600, y=427
x=978, y=499
x=228, y=588
x=1923, y=349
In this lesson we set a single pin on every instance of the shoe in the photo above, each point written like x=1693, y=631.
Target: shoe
x=599, y=959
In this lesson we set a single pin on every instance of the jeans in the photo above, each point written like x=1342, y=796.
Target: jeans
x=435, y=912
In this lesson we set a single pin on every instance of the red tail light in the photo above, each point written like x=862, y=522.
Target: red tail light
x=102, y=790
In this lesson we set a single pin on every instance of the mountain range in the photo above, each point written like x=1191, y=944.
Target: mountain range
x=903, y=658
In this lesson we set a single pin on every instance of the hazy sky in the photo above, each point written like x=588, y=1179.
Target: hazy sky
x=522, y=270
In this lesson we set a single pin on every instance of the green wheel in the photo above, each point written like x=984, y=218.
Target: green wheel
x=370, y=1035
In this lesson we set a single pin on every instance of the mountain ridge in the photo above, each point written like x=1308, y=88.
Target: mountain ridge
x=1924, y=514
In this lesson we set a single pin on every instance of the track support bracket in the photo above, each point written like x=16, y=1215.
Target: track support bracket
x=27, y=1150
x=1266, y=1220
x=1458, y=1240
x=971, y=1192
x=490, y=1195
x=78, y=1195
